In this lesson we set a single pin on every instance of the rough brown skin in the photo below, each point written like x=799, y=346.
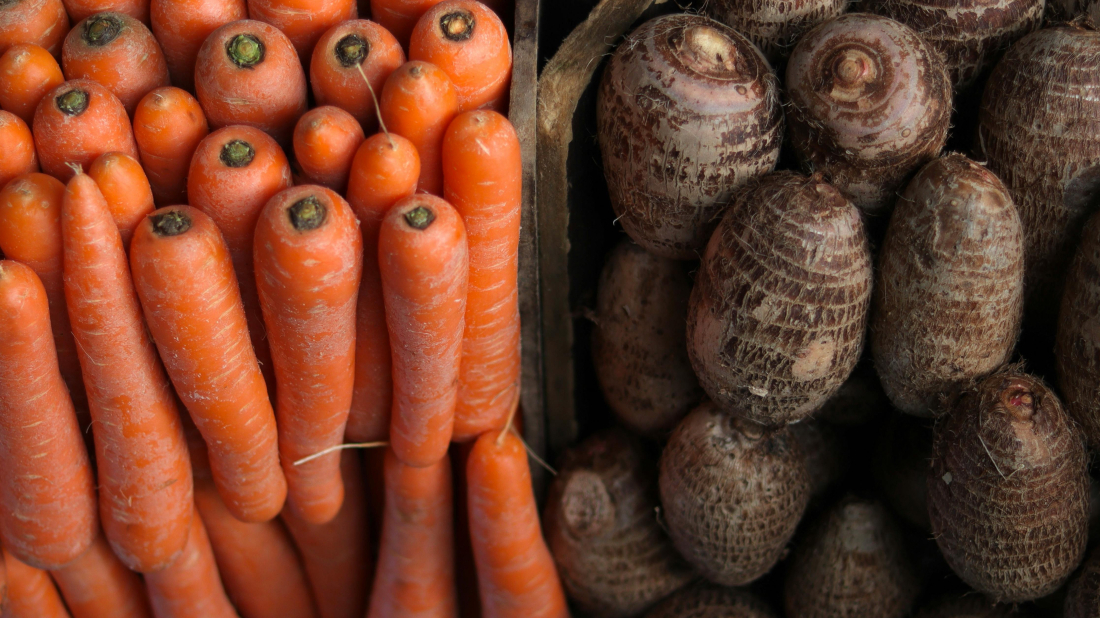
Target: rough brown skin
x=969, y=606
x=732, y=494
x=1064, y=10
x=900, y=467
x=1039, y=131
x=948, y=295
x=777, y=316
x=600, y=523
x=705, y=600
x=774, y=25
x=638, y=343
x=851, y=564
x=824, y=452
x=870, y=104
x=1008, y=490
x=688, y=111
x=859, y=400
x=1083, y=600
x=1077, y=348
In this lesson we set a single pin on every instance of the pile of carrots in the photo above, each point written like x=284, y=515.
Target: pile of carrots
x=210, y=292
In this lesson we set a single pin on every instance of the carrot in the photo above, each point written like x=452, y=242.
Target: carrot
x=47, y=493
x=337, y=59
x=385, y=170
x=515, y=572
x=247, y=72
x=75, y=123
x=261, y=571
x=469, y=602
x=41, y=22
x=117, y=51
x=233, y=173
x=80, y=10
x=400, y=16
x=325, y=142
x=144, y=473
x=181, y=26
x=98, y=585
x=469, y=42
x=168, y=126
x=189, y=295
x=18, y=147
x=126, y=188
x=3, y=585
x=31, y=592
x=418, y=102
x=303, y=21
x=190, y=587
x=308, y=260
x=27, y=73
x=423, y=259
x=336, y=555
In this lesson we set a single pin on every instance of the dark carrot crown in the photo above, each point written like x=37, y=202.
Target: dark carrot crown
x=307, y=214
x=420, y=217
x=237, y=153
x=171, y=223
x=101, y=29
x=457, y=25
x=73, y=102
x=352, y=50
x=245, y=50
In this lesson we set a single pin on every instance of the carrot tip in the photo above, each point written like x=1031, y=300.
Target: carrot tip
x=73, y=102
x=352, y=50
x=171, y=223
x=77, y=168
x=420, y=217
x=101, y=29
x=245, y=50
x=457, y=25
x=237, y=153
x=307, y=214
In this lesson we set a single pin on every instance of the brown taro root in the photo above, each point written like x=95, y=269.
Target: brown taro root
x=774, y=25
x=777, y=316
x=859, y=400
x=900, y=467
x=638, y=342
x=1077, y=348
x=948, y=295
x=851, y=564
x=870, y=104
x=1083, y=600
x=688, y=111
x=601, y=525
x=1064, y=10
x=1008, y=490
x=1039, y=131
x=969, y=606
x=824, y=453
x=732, y=493
x=704, y=600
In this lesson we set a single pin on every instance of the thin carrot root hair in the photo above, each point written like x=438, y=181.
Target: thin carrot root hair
x=527, y=447
x=377, y=111
x=340, y=447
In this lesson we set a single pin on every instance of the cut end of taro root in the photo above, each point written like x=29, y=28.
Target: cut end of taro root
x=587, y=508
x=710, y=52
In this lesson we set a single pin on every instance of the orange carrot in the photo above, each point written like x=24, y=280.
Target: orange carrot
x=337, y=59
x=469, y=602
x=261, y=571
x=47, y=493
x=117, y=51
x=168, y=126
x=423, y=258
x=75, y=123
x=190, y=587
x=515, y=572
x=41, y=22
x=303, y=21
x=385, y=170
x=144, y=475
x=189, y=295
x=336, y=555
x=418, y=102
x=308, y=260
x=483, y=178
x=247, y=72
x=27, y=73
x=325, y=142
x=400, y=16
x=3, y=585
x=82, y=9
x=181, y=26
x=126, y=188
x=98, y=585
x=31, y=593
x=18, y=147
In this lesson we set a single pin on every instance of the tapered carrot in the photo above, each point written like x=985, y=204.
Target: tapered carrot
x=75, y=123
x=31, y=592
x=469, y=42
x=400, y=16
x=18, y=147
x=325, y=142
x=247, y=72
x=233, y=173
x=190, y=587
x=336, y=555
x=126, y=188
x=423, y=259
x=469, y=602
x=308, y=261
x=41, y=22
x=303, y=21
x=117, y=51
x=98, y=585
x=168, y=126
x=261, y=571
x=340, y=54
x=82, y=9
x=27, y=73
x=47, y=493
x=418, y=102
x=144, y=473
x=181, y=26
x=184, y=278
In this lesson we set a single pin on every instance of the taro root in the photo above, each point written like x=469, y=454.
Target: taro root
x=705, y=600
x=1083, y=600
x=870, y=104
x=1077, y=348
x=852, y=563
x=824, y=453
x=638, y=343
x=601, y=525
x=948, y=295
x=1039, y=131
x=774, y=25
x=1064, y=10
x=859, y=400
x=968, y=606
x=688, y=111
x=900, y=467
x=1008, y=490
x=777, y=316
x=732, y=493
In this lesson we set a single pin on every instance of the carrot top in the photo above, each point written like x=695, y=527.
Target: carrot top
x=245, y=50
x=73, y=102
x=352, y=50
x=171, y=223
x=101, y=29
x=237, y=153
